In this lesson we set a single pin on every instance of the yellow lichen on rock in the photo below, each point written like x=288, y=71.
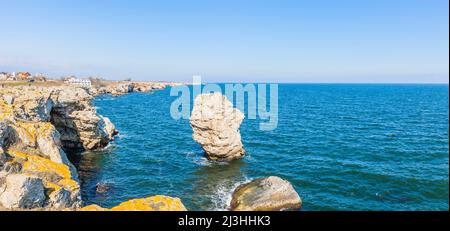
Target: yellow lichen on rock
x=92, y=208
x=5, y=110
x=29, y=131
x=37, y=164
x=18, y=154
x=154, y=203
x=51, y=186
x=40, y=164
x=69, y=184
x=26, y=132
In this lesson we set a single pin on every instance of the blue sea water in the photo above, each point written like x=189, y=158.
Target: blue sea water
x=342, y=146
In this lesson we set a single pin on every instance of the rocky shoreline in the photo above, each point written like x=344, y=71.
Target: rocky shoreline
x=38, y=126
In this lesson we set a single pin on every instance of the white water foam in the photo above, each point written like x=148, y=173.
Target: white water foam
x=197, y=159
x=222, y=196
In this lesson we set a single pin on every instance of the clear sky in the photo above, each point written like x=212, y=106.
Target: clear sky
x=232, y=40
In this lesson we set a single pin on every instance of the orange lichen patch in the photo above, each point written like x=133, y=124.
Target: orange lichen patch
x=51, y=187
x=40, y=164
x=69, y=184
x=92, y=208
x=37, y=164
x=154, y=203
x=18, y=154
x=45, y=128
x=5, y=110
x=26, y=131
x=31, y=130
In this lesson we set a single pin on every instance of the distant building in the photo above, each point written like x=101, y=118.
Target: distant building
x=23, y=75
x=3, y=76
x=78, y=82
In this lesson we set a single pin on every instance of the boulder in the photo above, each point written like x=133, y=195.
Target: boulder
x=215, y=124
x=9, y=99
x=6, y=136
x=121, y=89
x=107, y=127
x=60, y=199
x=33, y=105
x=103, y=187
x=5, y=132
x=265, y=194
x=22, y=191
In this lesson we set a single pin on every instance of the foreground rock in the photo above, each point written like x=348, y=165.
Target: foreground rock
x=35, y=129
x=215, y=124
x=22, y=191
x=154, y=203
x=265, y=194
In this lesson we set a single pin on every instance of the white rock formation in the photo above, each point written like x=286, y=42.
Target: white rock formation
x=215, y=124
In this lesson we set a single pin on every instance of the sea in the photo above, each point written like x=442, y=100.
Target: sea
x=342, y=146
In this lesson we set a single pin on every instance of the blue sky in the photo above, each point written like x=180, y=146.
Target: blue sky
x=243, y=40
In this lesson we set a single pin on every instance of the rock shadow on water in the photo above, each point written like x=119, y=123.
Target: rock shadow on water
x=90, y=165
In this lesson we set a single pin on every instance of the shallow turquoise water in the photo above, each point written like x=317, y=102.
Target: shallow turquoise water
x=343, y=147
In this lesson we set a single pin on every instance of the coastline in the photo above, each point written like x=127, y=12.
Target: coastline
x=39, y=124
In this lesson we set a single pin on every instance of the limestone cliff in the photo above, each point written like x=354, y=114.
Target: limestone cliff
x=38, y=125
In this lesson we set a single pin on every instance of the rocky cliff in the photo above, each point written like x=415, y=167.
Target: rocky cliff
x=38, y=126
x=124, y=87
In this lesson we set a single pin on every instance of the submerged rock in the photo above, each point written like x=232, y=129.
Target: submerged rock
x=103, y=187
x=215, y=124
x=154, y=203
x=22, y=191
x=265, y=194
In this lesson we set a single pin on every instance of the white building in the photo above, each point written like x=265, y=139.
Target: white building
x=78, y=82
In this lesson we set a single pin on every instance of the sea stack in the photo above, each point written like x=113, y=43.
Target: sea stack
x=215, y=124
x=265, y=194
